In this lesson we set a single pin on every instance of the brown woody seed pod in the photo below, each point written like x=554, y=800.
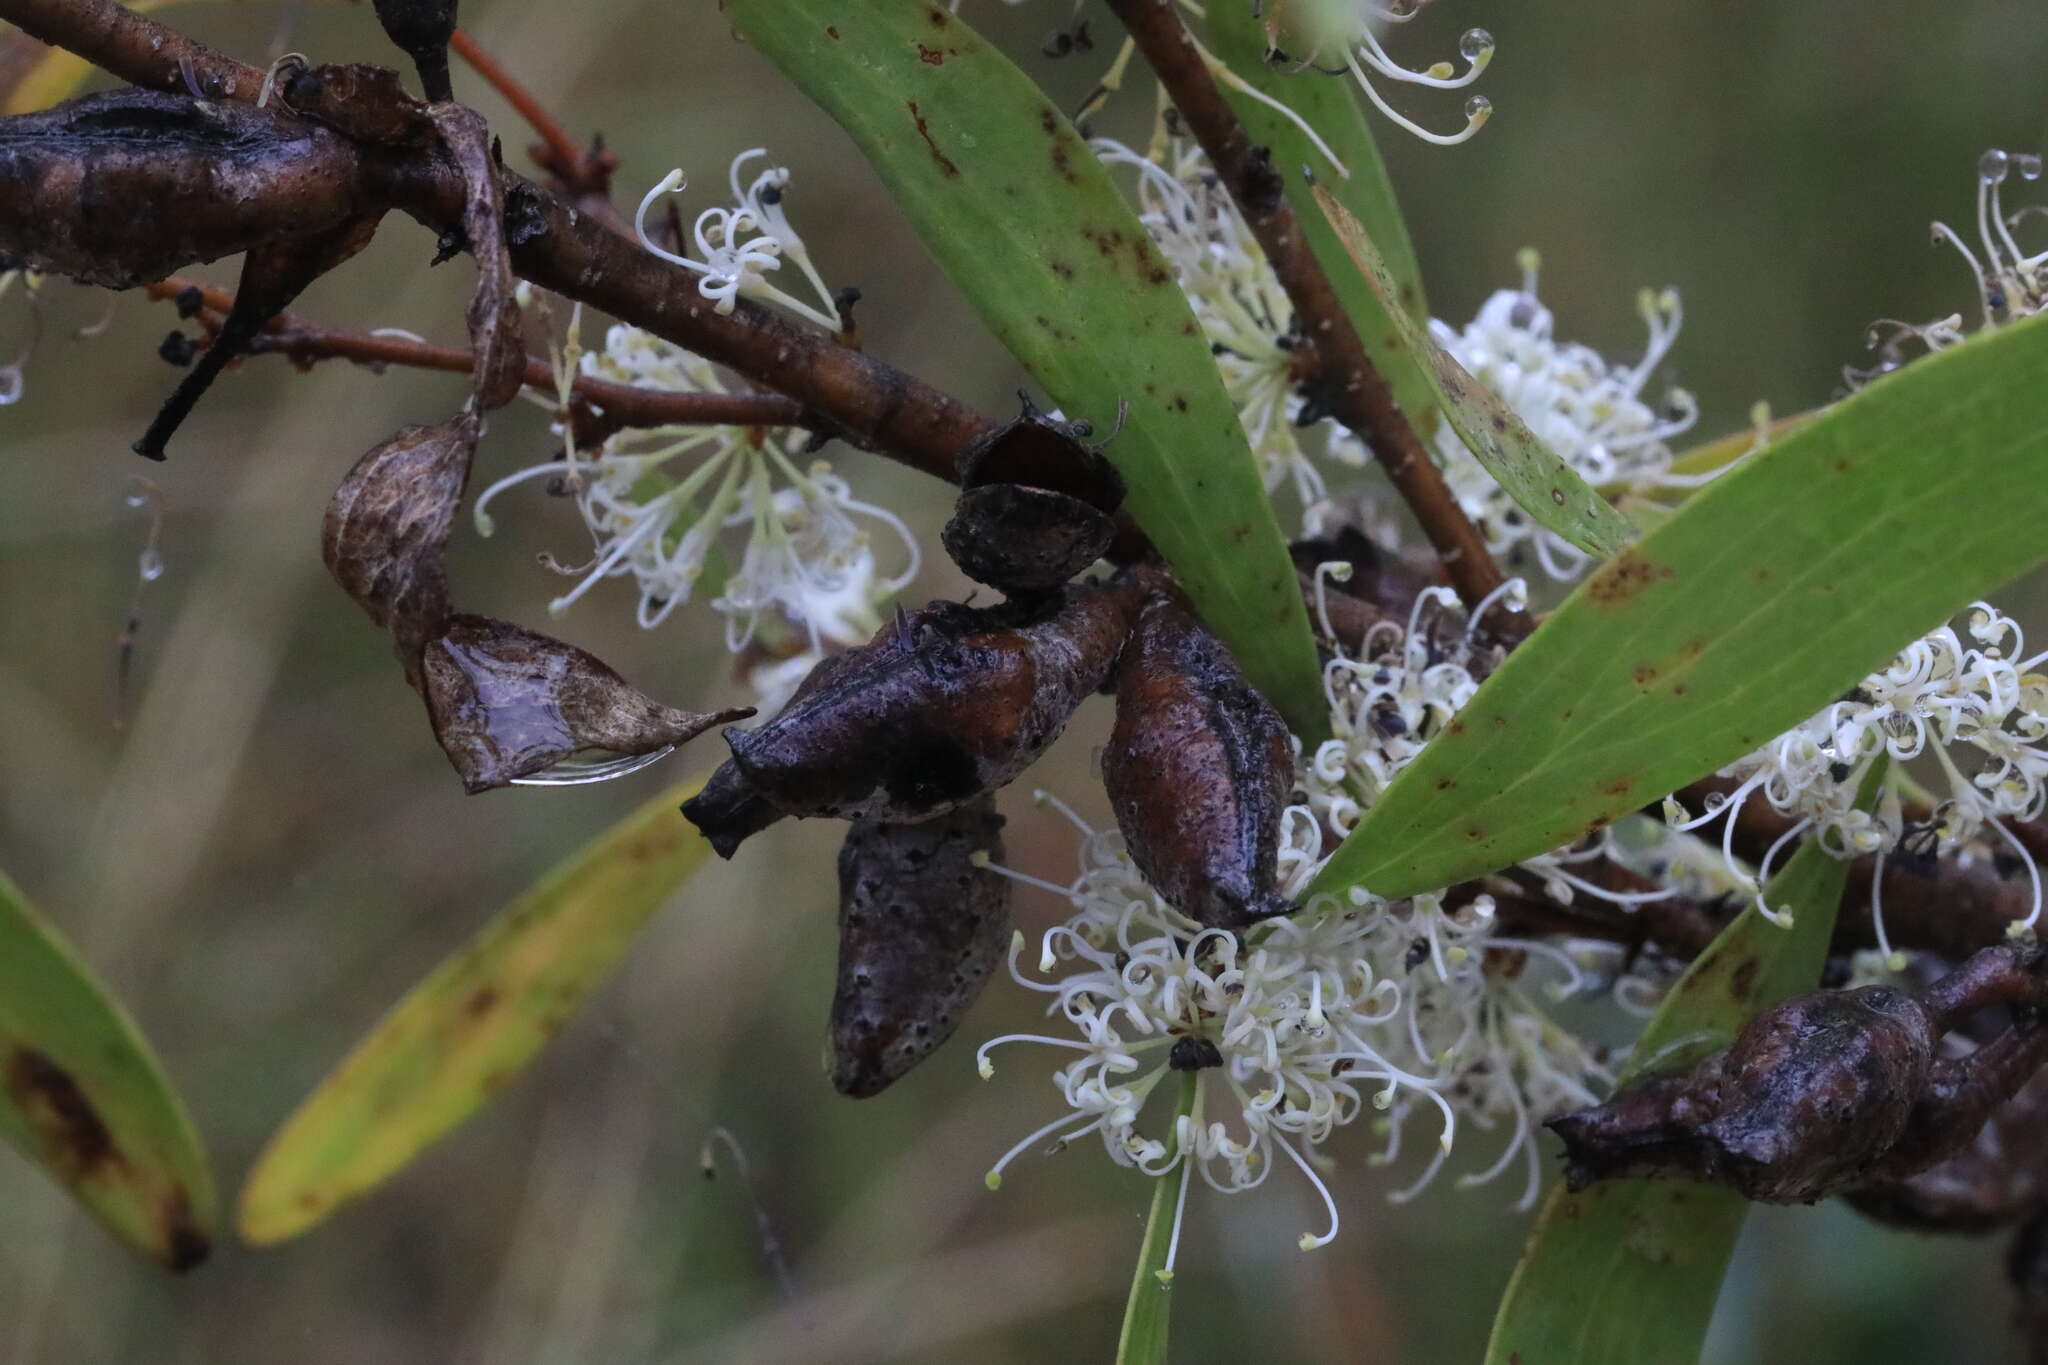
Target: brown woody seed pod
x=921, y=927
x=1804, y=1104
x=1037, y=505
x=1198, y=770
x=946, y=703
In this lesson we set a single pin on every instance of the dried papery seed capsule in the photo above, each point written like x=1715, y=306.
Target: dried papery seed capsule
x=1037, y=505
x=922, y=924
x=1804, y=1104
x=944, y=704
x=385, y=536
x=508, y=703
x=1198, y=770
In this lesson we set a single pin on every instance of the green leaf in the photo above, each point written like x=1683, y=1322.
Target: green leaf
x=1626, y=1273
x=1770, y=593
x=1541, y=484
x=1025, y=221
x=1331, y=107
x=1148, y=1311
x=471, y=1027
x=83, y=1096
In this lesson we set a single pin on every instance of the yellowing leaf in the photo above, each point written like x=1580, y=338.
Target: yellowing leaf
x=468, y=1029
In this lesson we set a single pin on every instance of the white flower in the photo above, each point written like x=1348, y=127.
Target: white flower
x=1937, y=700
x=739, y=245
x=1243, y=311
x=1590, y=413
x=2010, y=283
x=1345, y=31
x=659, y=502
x=1355, y=1007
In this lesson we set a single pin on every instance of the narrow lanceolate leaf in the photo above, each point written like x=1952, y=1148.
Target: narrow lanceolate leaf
x=1026, y=222
x=1770, y=593
x=1236, y=34
x=473, y=1025
x=82, y=1095
x=1149, y=1311
x=1626, y=1273
x=1541, y=484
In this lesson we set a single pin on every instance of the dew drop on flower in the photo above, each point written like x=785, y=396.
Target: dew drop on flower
x=1478, y=109
x=1991, y=166
x=2028, y=165
x=1476, y=46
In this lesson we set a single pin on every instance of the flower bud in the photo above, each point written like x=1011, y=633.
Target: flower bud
x=1198, y=770
x=922, y=924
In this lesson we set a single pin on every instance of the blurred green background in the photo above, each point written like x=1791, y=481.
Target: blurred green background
x=273, y=849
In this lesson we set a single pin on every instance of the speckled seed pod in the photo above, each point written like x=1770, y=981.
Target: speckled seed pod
x=1804, y=1104
x=946, y=703
x=921, y=927
x=1198, y=771
x=1037, y=505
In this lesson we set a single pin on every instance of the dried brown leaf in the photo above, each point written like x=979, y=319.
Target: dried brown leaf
x=494, y=331
x=507, y=702
x=385, y=537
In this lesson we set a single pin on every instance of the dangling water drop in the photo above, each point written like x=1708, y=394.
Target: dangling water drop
x=581, y=771
x=2028, y=165
x=149, y=565
x=1476, y=46
x=1478, y=110
x=1991, y=166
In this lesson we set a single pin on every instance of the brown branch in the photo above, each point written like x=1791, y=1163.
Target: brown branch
x=584, y=174
x=1353, y=386
x=619, y=405
x=559, y=248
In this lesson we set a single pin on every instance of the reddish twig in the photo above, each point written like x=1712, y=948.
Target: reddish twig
x=584, y=173
x=618, y=405
x=1356, y=391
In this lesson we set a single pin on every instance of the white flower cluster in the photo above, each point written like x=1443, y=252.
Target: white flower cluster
x=1938, y=699
x=738, y=246
x=1354, y=1007
x=2010, y=283
x=1243, y=311
x=1591, y=413
x=663, y=504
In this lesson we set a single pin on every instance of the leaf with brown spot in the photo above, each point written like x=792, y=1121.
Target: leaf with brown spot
x=1002, y=189
x=507, y=702
x=82, y=1094
x=1237, y=35
x=1527, y=470
x=1943, y=502
x=385, y=537
x=1626, y=1273
x=472, y=1025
